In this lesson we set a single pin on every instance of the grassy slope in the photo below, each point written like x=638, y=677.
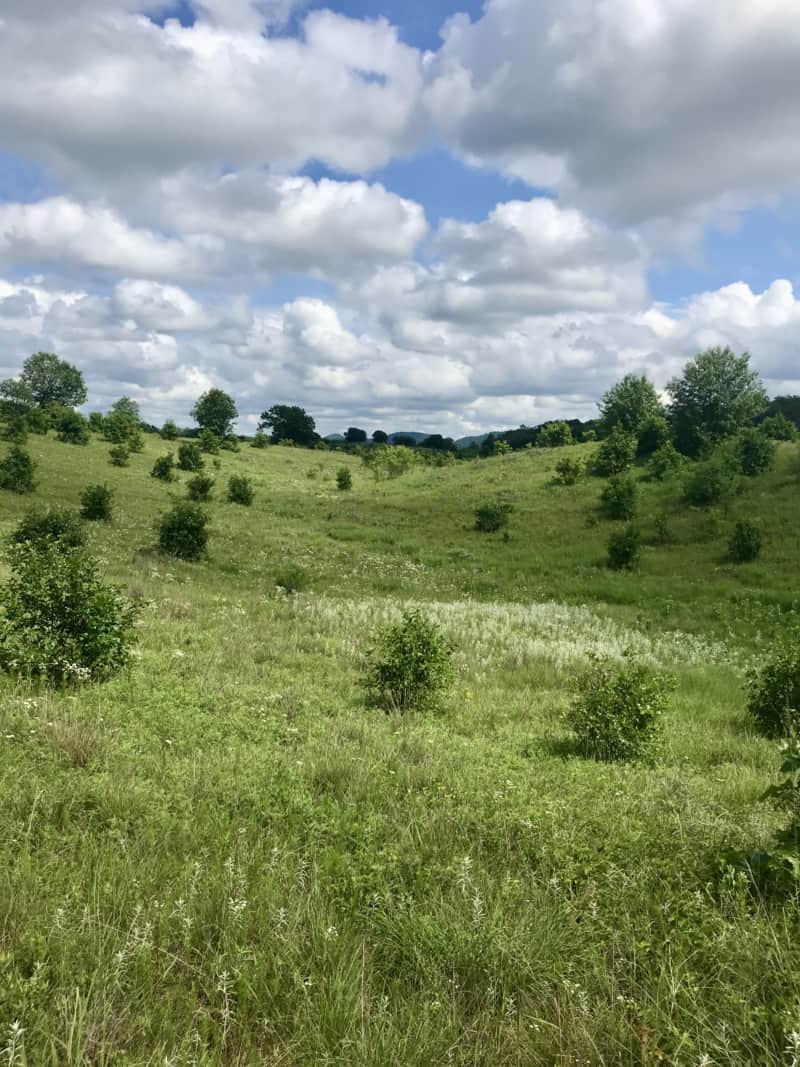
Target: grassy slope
x=224, y=858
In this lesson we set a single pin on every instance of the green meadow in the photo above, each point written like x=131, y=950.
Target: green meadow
x=223, y=856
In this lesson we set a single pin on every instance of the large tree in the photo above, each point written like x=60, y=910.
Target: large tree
x=289, y=422
x=629, y=405
x=46, y=380
x=215, y=411
x=715, y=397
x=355, y=436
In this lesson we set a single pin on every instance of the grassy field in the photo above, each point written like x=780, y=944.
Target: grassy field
x=224, y=857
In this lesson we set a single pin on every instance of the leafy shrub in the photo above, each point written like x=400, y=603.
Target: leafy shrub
x=774, y=695
x=37, y=421
x=778, y=870
x=624, y=548
x=182, y=531
x=41, y=526
x=410, y=667
x=60, y=621
x=96, y=421
x=291, y=579
x=190, y=457
x=71, y=427
x=615, y=454
x=663, y=532
x=491, y=517
x=240, y=490
x=169, y=431
x=231, y=443
x=568, y=471
x=260, y=440
x=710, y=482
x=135, y=442
x=208, y=441
x=652, y=436
x=344, y=478
x=16, y=471
x=164, y=468
x=745, y=543
x=779, y=428
x=619, y=497
x=554, y=434
x=664, y=462
x=96, y=503
x=755, y=452
x=199, y=487
x=119, y=455
x=16, y=430
x=618, y=715
x=121, y=427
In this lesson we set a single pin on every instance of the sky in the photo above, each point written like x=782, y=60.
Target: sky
x=441, y=215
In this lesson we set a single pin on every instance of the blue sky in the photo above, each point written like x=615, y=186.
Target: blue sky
x=338, y=206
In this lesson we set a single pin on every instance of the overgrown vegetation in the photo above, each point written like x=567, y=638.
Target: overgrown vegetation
x=409, y=666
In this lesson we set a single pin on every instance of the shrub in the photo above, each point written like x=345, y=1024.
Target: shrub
x=778, y=870
x=745, y=543
x=292, y=579
x=624, y=547
x=169, y=431
x=664, y=462
x=164, y=468
x=119, y=455
x=344, y=478
x=710, y=482
x=568, y=471
x=41, y=526
x=16, y=471
x=37, y=421
x=182, y=531
x=208, y=442
x=619, y=496
x=260, y=440
x=618, y=715
x=16, y=430
x=240, y=490
x=230, y=443
x=121, y=427
x=554, y=435
x=96, y=421
x=60, y=621
x=491, y=517
x=96, y=503
x=409, y=668
x=774, y=695
x=755, y=452
x=663, y=532
x=190, y=457
x=615, y=454
x=652, y=436
x=136, y=441
x=71, y=427
x=199, y=487
x=779, y=428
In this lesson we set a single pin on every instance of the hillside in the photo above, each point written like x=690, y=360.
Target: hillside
x=224, y=857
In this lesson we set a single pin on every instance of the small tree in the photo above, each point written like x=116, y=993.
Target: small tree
x=182, y=531
x=16, y=471
x=230, y=443
x=344, y=479
x=664, y=462
x=745, y=543
x=119, y=456
x=199, y=488
x=774, y=695
x=164, y=468
x=190, y=457
x=624, y=548
x=209, y=442
x=71, y=427
x=778, y=428
x=240, y=490
x=380, y=437
x=170, y=431
x=630, y=405
x=289, y=422
x=492, y=516
x=653, y=436
x=16, y=430
x=568, y=471
x=46, y=380
x=710, y=482
x=355, y=436
x=619, y=497
x=96, y=421
x=215, y=411
x=755, y=452
x=615, y=454
x=554, y=435
x=42, y=526
x=260, y=440
x=409, y=668
x=96, y=503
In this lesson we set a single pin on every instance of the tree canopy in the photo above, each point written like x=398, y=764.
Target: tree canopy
x=216, y=411
x=630, y=405
x=45, y=380
x=289, y=422
x=355, y=436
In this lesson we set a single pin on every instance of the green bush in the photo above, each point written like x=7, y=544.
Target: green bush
x=344, y=478
x=292, y=579
x=624, y=548
x=240, y=490
x=664, y=462
x=59, y=620
x=96, y=501
x=409, y=667
x=618, y=714
x=230, y=443
x=260, y=440
x=37, y=421
x=755, y=452
x=745, y=543
x=619, y=497
x=15, y=430
x=615, y=454
x=169, y=431
x=774, y=695
x=199, y=487
x=652, y=436
x=164, y=468
x=71, y=427
x=568, y=471
x=190, y=458
x=554, y=435
x=779, y=428
x=208, y=442
x=182, y=531
x=491, y=517
x=16, y=471
x=41, y=526
x=710, y=482
x=119, y=455
x=778, y=869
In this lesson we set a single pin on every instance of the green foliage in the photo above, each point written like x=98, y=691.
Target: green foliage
x=554, y=435
x=200, y=487
x=568, y=471
x=630, y=406
x=164, y=468
x=240, y=490
x=354, y=435
x=774, y=695
x=216, y=412
x=619, y=497
x=60, y=621
x=120, y=427
x=745, y=543
x=755, y=452
x=41, y=526
x=15, y=429
x=492, y=516
x=182, y=531
x=71, y=427
x=292, y=579
x=209, y=442
x=664, y=462
x=37, y=421
x=503, y=448
x=230, y=443
x=619, y=712
x=16, y=399
x=778, y=870
x=17, y=470
x=46, y=380
x=624, y=548
x=717, y=394
x=389, y=461
x=344, y=478
x=96, y=421
x=260, y=440
x=779, y=428
x=119, y=455
x=170, y=431
x=190, y=457
x=409, y=667
x=289, y=422
x=96, y=503
x=653, y=436
x=710, y=482
x=615, y=454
